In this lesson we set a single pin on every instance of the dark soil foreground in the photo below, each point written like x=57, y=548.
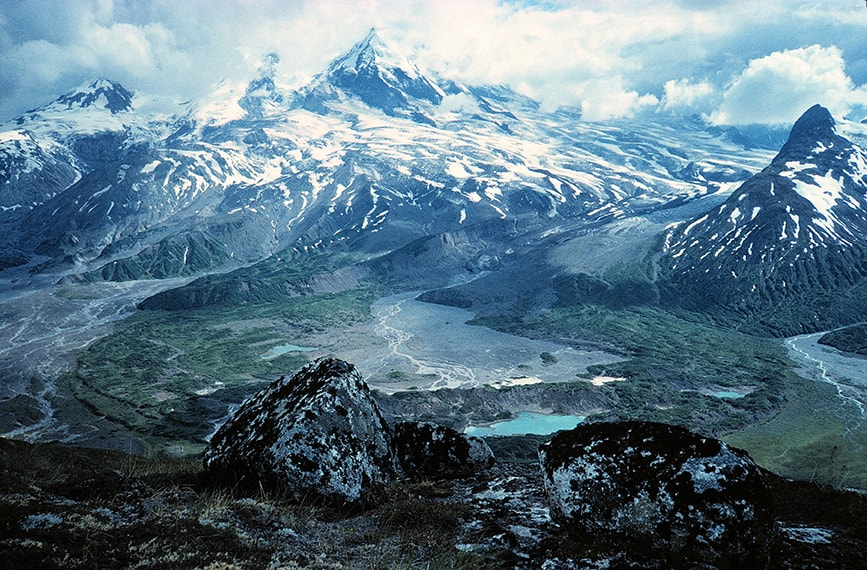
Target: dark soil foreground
x=68, y=507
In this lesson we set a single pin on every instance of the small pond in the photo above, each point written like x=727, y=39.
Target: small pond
x=527, y=423
x=728, y=394
x=285, y=348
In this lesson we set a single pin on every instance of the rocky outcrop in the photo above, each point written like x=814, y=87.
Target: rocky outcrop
x=660, y=490
x=317, y=433
x=428, y=450
x=69, y=507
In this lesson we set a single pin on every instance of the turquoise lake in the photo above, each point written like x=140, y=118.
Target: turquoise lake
x=283, y=349
x=527, y=423
x=727, y=394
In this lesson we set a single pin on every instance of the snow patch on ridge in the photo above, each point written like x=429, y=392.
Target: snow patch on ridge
x=824, y=193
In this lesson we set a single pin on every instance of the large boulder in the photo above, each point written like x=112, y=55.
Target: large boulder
x=662, y=491
x=429, y=450
x=317, y=433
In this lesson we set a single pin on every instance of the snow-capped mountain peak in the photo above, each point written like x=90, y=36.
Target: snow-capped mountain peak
x=100, y=105
x=376, y=74
x=100, y=93
x=262, y=94
x=371, y=51
x=381, y=160
x=799, y=225
x=828, y=171
x=815, y=186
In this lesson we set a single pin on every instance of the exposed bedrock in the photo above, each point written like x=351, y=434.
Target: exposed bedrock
x=661, y=491
x=317, y=433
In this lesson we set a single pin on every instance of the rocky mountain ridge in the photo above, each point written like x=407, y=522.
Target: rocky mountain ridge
x=789, y=240
x=102, y=93
x=379, y=77
x=370, y=155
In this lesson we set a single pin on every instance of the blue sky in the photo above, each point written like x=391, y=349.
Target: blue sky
x=733, y=61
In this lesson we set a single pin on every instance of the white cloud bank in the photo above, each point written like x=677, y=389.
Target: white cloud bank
x=777, y=88
x=603, y=100
x=682, y=94
x=733, y=60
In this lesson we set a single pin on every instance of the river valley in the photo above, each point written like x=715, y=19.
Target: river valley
x=429, y=347
x=404, y=346
x=42, y=325
x=846, y=372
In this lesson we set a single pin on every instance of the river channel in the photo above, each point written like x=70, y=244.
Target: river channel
x=846, y=372
x=41, y=327
x=424, y=346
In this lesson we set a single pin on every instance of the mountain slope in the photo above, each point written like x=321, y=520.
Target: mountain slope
x=48, y=149
x=787, y=252
x=377, y=76
x=372, y=155
x=101, y=175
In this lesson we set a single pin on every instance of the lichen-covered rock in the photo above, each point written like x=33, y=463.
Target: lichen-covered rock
x=429, y=450
x=662, y=490
x=318, y=432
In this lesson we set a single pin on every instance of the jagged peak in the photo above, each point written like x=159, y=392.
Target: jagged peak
x=262, y=91
x=372, y=51
x=100, y=83
x=816, y=124
x=99, y=92
x=376, y=74
x=372, y=39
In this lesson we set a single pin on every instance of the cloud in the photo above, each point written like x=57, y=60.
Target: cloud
x=563, y=54
x=459, y=103
x=608, y=100
x=682, y=94
x=610, y=57
x=777, y=88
